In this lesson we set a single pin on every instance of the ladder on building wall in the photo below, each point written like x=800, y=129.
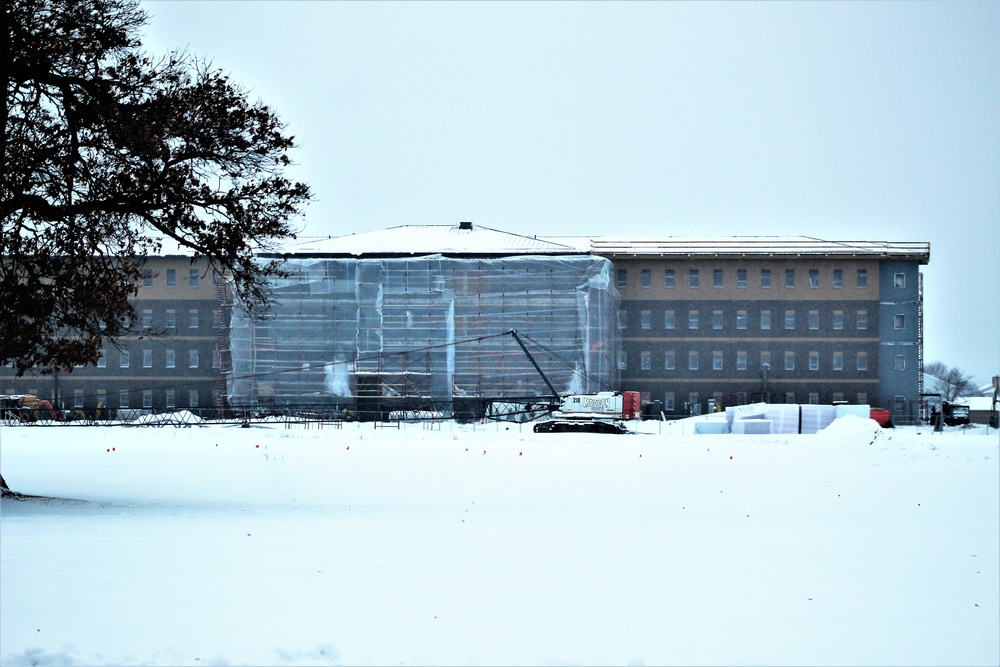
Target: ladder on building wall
x=221, y=325
x=920, y=346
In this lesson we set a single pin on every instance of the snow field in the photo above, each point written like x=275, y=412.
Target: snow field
x=383, y=546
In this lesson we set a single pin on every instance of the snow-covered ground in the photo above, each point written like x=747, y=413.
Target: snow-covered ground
x=489, y=545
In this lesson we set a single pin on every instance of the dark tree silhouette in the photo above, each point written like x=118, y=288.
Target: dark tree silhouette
x=951, y=383
x=107, y=153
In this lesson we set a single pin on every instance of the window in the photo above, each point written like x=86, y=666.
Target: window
x=741, y=319
x=789, y=361
x=838, y=320
x=789, y=277
x=78, y=398
x=862, y=398
x=102, y=361
x=862, y=361
x=645, y=361
x=692, y=319
x=193, y=277
x=669, y=363
x=716, y=319
x=694, y=403
x=741, y=278
x=123, y=359
x=170, y=400
x=171, y=319
x=622, y=361
x=862, y=277
x=765, y=359
x=646, y=319
x=765, y=278
x=147, y=358
x=693, y=278
x=147, y=318
x=669, y=320
x=171, y=277
x=147, y=398
x=862, y=319
x=646, y=278
x=838, y=397
x=838, y=278
x=814, y=319
x=813, y=398
x=838, y=361
x=899, y=363
x=669, y=402
x=717, y=278
x=765, y=319
x=622, y=277
x=898, y=321
x=813, y=278
x=192, y=358
x=192, y=398
x=814, y=361
x=668, y=278
x=171, y=359
x=123, y=399
x=789, y=319
x=192, y=319
x=717, y=361
x=693, y=360
x=147, y=277
x=899, y=281
x=790, y=397
x=622, y=318
x=741, y=361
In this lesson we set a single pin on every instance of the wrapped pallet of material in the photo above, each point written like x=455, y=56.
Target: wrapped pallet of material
x=815, y=418
x=711, y=427
x=752, y=426
x=784, y=417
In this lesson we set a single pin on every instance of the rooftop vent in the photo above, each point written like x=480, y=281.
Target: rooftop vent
x=465, y=225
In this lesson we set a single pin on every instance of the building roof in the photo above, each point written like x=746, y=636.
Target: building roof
x=469, y=239
x=411, y=240
x=757, y=246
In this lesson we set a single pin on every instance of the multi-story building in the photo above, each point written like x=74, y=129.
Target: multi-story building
x=708, y=322
x=701, y=323
x=173, y=360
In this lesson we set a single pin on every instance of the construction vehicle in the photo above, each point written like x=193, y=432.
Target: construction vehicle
x=25, y=408
x=603, y=412
x=955, y=414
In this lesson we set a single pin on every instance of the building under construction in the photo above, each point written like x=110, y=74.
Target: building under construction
x=429, y=332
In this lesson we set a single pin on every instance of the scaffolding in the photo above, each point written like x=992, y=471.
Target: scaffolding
x=427, y=331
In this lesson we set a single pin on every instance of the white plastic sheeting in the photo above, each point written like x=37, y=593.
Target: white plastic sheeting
x=426, y=328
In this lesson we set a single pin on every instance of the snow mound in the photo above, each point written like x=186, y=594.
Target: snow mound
x=854, y=427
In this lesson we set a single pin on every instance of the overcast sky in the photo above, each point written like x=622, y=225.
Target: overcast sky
x=845, y=121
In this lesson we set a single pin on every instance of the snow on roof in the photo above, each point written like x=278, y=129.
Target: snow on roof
x=775, y=246
x=466, y=239
x=469, y=239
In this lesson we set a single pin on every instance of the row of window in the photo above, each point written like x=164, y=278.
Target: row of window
x=694, y=360
x=764, y=319
x=742, y=278
x=170, y=319
x=170, y=359
x=170, y=278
